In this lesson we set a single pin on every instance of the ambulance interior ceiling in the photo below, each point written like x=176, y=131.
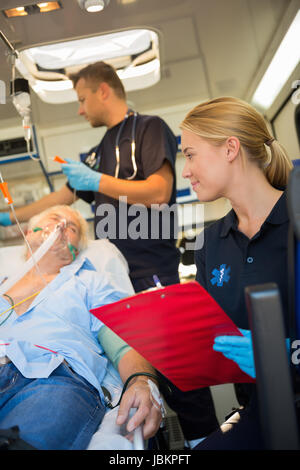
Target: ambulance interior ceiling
x=207, y=48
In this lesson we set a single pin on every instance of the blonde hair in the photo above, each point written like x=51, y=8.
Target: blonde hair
x=83, y=226
x=220, y=118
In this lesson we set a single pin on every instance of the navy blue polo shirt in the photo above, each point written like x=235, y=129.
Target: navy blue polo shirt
x=229, y=261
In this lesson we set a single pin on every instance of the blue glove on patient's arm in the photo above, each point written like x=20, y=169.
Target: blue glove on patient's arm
x=5, y=219
x=238, y=349
x=80, y=176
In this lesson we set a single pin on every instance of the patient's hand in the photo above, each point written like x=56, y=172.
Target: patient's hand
x=138, y=395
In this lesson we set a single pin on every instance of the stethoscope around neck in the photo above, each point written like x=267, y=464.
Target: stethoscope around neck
x=93, y=160
x=117, y=148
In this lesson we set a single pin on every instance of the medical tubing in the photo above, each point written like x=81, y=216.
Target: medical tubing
x=40, y=252
x=11, y=311
x=11, y=308
x=27, y=244
x=137, y=374
x=9, y=201
x=20, y=228
x=19, y=303
x=11, y=304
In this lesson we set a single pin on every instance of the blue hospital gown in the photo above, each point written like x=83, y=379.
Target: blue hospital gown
x=58, y=325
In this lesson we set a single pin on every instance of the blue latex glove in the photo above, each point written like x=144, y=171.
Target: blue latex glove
x=238, y=349
x=80, y=176
x=5, y=219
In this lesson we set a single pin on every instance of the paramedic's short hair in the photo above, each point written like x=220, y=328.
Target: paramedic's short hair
x=97, y=73
x=83, y=235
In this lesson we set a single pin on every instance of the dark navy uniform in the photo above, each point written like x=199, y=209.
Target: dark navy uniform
x=228, y=262
x=154, y=252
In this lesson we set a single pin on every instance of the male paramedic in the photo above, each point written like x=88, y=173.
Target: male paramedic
x=135, y=161
x=54, y=353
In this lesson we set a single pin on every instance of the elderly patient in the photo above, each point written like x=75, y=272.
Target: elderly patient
x=53, y=351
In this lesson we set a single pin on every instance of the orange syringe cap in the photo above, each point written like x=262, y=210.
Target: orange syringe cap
x=59, y=159
x=5, y=192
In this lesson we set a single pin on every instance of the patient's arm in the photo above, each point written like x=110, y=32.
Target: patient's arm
x=138, y=395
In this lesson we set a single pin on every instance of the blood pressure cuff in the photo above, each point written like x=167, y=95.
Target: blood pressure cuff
x=114, y=347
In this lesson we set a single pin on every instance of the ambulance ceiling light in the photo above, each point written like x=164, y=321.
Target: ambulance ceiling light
x=41, y=7
x=286, y=58
x=134, y=53
x=93, y=6
x=79, y=52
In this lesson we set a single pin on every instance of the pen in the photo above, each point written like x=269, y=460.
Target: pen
x=3, y=280
x=157, y=281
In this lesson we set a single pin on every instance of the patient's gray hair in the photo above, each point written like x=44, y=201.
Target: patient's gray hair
x=83, y=235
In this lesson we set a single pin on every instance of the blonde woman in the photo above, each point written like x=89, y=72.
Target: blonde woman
x=231, y=153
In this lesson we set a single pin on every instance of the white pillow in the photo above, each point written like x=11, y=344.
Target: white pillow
x=108, y=259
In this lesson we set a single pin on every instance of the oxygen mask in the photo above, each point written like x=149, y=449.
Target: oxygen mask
x=62, y=247
x=52, y=236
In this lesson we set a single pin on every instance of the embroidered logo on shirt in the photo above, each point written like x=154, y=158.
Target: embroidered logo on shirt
x=220, y=275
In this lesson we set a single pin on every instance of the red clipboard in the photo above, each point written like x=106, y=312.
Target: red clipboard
x=174, y=329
